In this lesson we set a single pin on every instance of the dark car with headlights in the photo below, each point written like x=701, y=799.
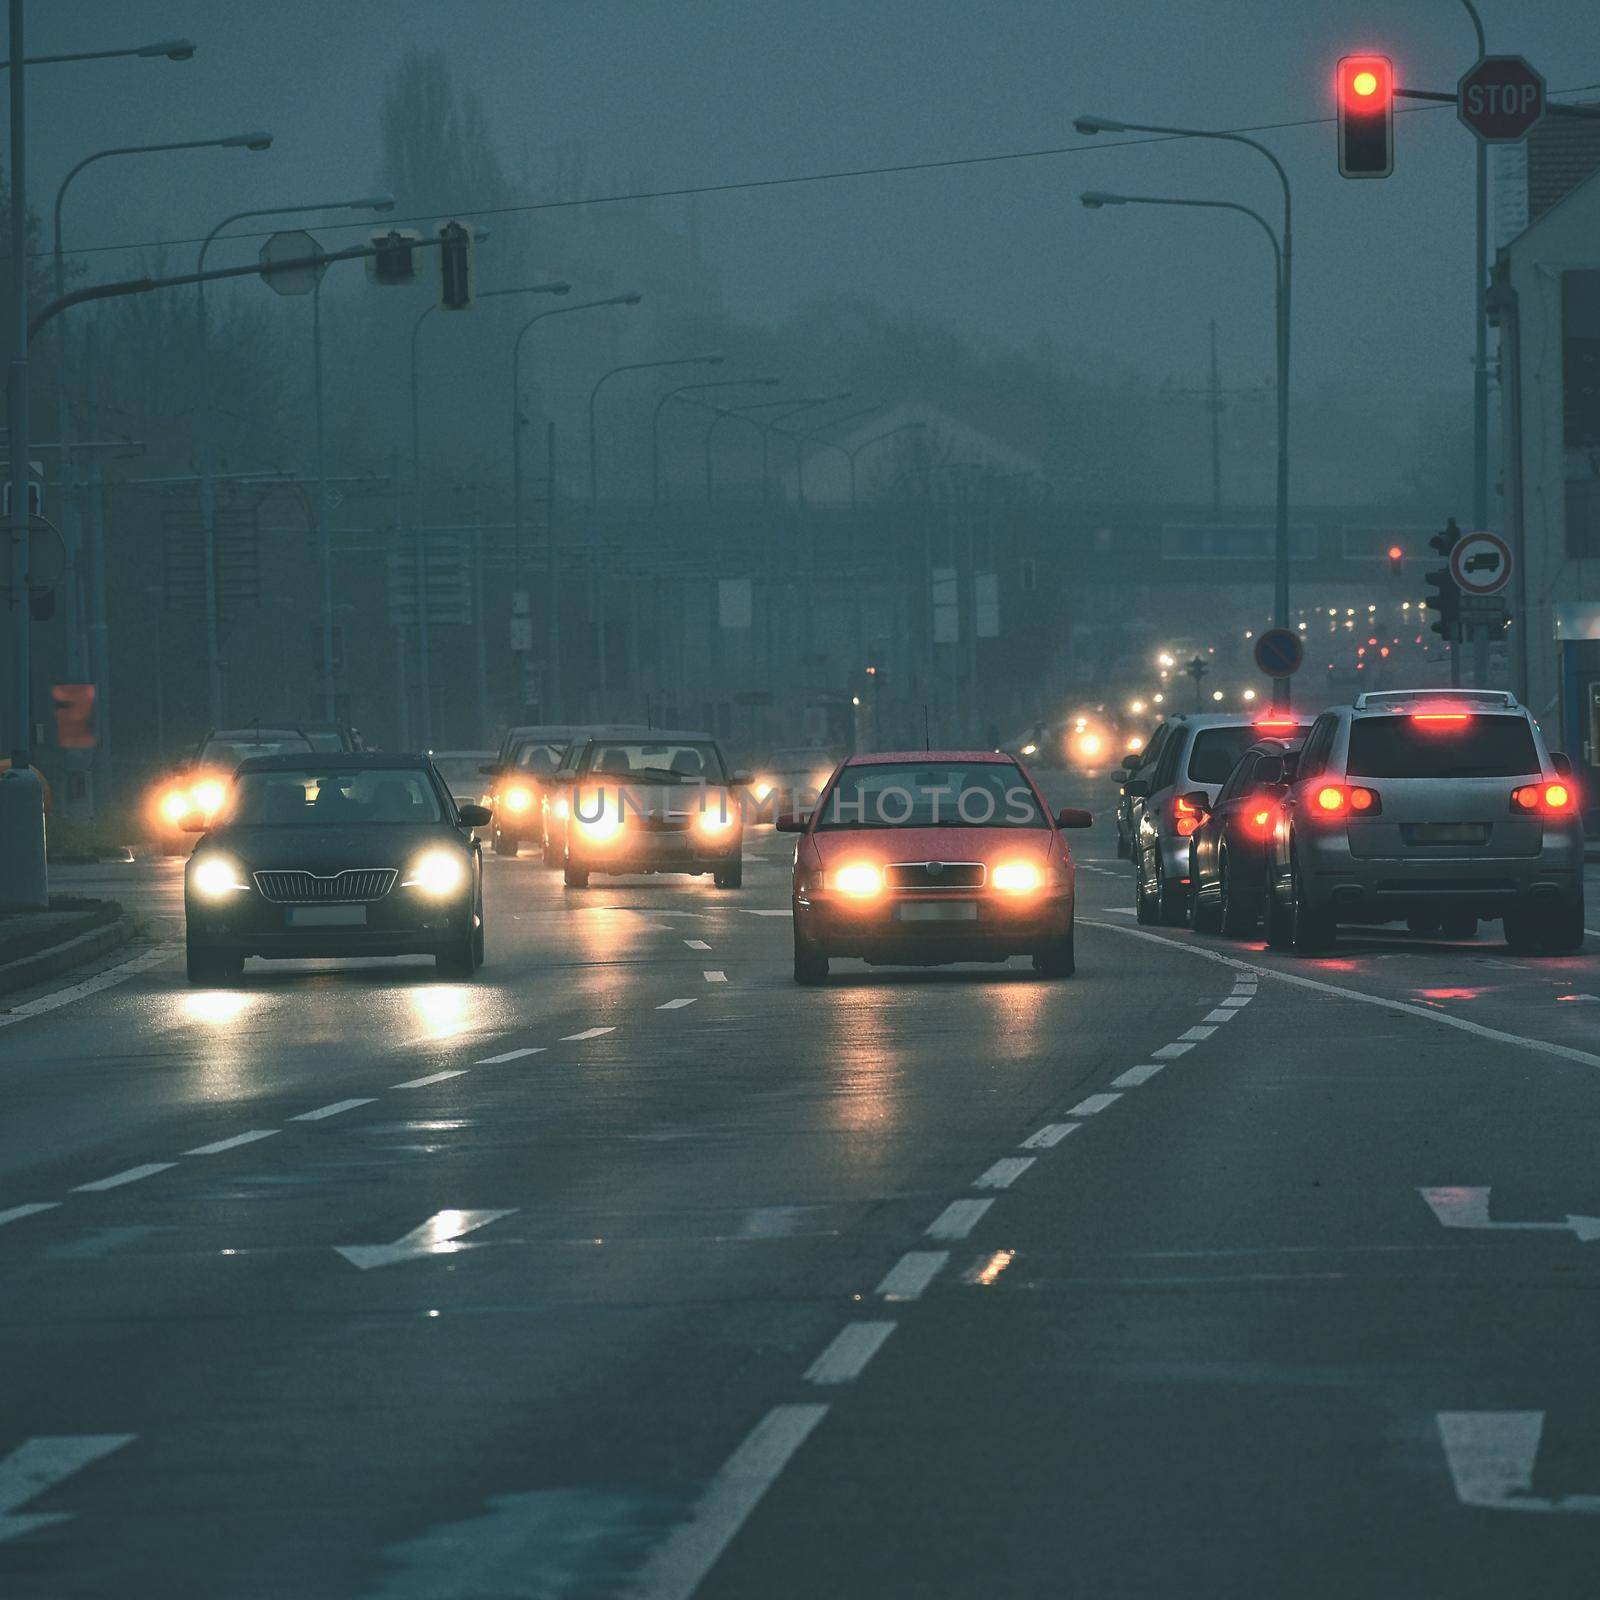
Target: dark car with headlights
x=648, y=802
x=344, y=854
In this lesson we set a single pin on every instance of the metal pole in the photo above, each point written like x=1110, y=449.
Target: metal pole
x=418, y=553
x=480, y=637
x=208, y=518
x=1280, y=551
x=324, y=544
x=553, y=692
x=1216, y=427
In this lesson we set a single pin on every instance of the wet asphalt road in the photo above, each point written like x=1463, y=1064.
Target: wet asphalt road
x=633, y=1269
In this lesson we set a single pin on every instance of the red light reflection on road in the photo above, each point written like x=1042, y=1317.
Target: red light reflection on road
x=1451, y=994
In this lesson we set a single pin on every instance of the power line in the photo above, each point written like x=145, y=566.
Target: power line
x=794, y=180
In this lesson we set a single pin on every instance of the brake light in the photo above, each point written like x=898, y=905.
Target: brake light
x=1543, y=798
x=1187, y=816
x=1342, y=800
x=1447, y=719
x=1261, y=820
x=1277, y=724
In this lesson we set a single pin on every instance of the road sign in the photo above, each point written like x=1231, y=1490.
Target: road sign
x=1480, y=563
x=47, y=557
x=1500, y=99
x=1279, y=652
x=293, y=244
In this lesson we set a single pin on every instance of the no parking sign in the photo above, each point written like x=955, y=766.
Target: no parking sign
x=1279, y=653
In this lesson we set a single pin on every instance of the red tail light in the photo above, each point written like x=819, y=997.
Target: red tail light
x=1260, y=819
x=1544, y=799
x=1335, y=800
x=1277, y=724
x=1187, y=816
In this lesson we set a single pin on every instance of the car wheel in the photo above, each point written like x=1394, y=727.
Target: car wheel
x=504, y=846
x=1459, y=927
x=1057, y=958
x=459, y=962
x=1531, y=930
x=204, y=967
x=731, y=876
x=1311, y=927
x=1205, y=913
x=1237, y=913
x=1144, y=906
x=810, y=963
x=575, y=877
x=1172, y=906
x=1124, y=848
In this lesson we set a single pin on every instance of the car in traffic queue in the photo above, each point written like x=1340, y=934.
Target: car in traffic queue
x=1194, y=753
x=791, y=779
x=462, y=771
x=930, y=857
x=199, y=785
x=651, y=802
x=1230, y=850
x=520, y=774
x=344, y=855
x=1436, y=806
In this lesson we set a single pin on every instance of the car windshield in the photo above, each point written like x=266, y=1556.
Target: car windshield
x=326, y=741
x=229, y=753
x=461, y=773
x=540, y=760
x=318, y=797
x=668, y=761
x=941, y=794
x=1441, y=745
x=1217, y=750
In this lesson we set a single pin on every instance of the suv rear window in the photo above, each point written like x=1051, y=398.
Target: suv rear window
x=1404, y=747
x=1217, y=750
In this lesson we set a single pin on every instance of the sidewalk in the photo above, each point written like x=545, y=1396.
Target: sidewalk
x=38, y=945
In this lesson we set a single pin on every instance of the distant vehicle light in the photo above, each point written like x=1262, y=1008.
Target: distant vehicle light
x=1135, y=745
x=437, y=873
x=175, y=805
x=518, y=797
x=1090, y=744
x=1030, y=749
x=217, y=877
x=1016, y=877
x=209, y=794
x=860, y=880
x=716, y=818
x=606, y=824
x=762, y=788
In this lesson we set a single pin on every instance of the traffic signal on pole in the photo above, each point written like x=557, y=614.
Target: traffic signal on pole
x=1445, y=597
x=1397, y=558
x=396, y=260
x=455, y=266
x=1364, y=92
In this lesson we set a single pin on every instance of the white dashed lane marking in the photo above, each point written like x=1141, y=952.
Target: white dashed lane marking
x=697, y=944
x=911, y=1274
x=1049, y=1136
x=1169, y=1052
x=1218, y=1016
x=1195, y=1035
x=432, y=1077
x=17, y=1213
x=715, y=976
x=218, y=1146
x=510, y=1055
x=958, y=1219
x=588, y=1033
x=675, y=1005
x=853, y=1347
x=1094, y=1104
x=1004, y=1172
x=117, y=1179
x=1134, y=1076
x=330, y=1111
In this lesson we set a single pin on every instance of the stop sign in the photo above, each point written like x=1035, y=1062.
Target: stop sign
x=1500, y=99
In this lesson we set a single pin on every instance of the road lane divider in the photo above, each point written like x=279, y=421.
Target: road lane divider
x=587, y=1033
x=911, y=1274
x=1004, y=1172
x=958, y=1219
x=697, y=944
x=336, y=1109
x=1050, y=1135
x=675, y=1005
x=715, y=975
x=1171, y=1052
x=130, y=1175
x=217, y=1146
x=38, y=1465
x=1134, y=1076
x=17, y=1213
x=510, y=1055
x=1094, y=1104
x=846, y=1358
x=432, y=1077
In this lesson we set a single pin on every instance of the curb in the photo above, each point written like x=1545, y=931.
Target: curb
x=30, y=970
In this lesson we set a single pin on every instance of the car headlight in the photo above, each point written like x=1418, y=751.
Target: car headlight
x=715, y=820
x=174, y=806
x=860, y=880
x=762, y=787
x=209, y=794
x=606, y=824
x=518, y=798
x=437, y=873
x=1016, y=877
x=217, y=877
x=562, y=809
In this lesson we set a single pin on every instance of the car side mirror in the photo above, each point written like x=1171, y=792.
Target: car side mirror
x=1136, y=788
x=792, y=822
x=1269, y=770
x=474, y=816
x=1562, y=762
x=1074, y=817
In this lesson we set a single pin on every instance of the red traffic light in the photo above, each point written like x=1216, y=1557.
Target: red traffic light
x=1364, y=91
x=1395, y=552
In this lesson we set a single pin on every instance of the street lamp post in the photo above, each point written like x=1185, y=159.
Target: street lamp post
x=552, y=638
x=424, y=665
x=85, y=628
x=672, y=394
x=1092, y=125
x=630, y=366
x=800, y=440
x=208, y=509
x=768, y=428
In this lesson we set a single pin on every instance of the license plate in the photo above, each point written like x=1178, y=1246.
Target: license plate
x=938, y=911
x=327, y=916
x=1446, y=833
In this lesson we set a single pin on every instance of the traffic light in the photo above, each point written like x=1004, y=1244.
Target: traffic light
x=455, y=266
x=1364, y=92
x=1397, y=558
x=396, y=260
x=1445, y=597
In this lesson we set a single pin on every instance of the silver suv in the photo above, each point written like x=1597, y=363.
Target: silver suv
x=1171, y=795
x=1439, y=807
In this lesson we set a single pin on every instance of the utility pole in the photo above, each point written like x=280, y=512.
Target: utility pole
x=1216, y=400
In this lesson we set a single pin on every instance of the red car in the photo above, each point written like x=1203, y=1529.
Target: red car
x=925, y=857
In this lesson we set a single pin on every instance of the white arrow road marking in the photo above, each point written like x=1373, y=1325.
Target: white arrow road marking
x=40, y=1464
x=1491, y=1456
x=1469, y=1208
x=441, y=1234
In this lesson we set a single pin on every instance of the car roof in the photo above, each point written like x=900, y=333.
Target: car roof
x=1396, y=699
x=647, y=735
x=1221, y=719
x=909, y=758
x=252, y=730
x=456, y=755
x=340, y=760
x=567, y=732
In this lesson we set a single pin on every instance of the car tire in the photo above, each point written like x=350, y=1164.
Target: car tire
x=730, y=876
x=204, y=967
x=1459, y=927
x=1529, y=930
x=1124, y=848
x=1237, y=915
x=1205, y=914
x=459, y=961
x=1057, y=959
x=1312, y=929
x=1144, y=904
x=504, y=846
x=810, y=963
x=575, y=877
x=1172, y=905
x=478, y=941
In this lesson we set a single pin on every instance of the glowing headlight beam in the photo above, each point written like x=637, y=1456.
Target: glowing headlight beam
x=437, y=873
x=217, y=877
x=859, y=880
x=1016, y=877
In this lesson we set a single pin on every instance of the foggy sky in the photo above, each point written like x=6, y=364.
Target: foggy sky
x=707, y=91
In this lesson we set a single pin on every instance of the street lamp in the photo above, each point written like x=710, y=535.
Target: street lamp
x=424, y=664
x=816, y=438
x=767, y=429
x=1093, y=125
x=171, y=49
x=552, y=608
x=630, y=366
x=95, y=652
x=672, y=394
x=208, y=531
x=741, y=412
x=866, y=444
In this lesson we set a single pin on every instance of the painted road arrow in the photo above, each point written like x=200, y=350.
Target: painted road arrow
x=40, y=1464
x=441, y=1234
x=1491, y=1455
x=1469, y=1208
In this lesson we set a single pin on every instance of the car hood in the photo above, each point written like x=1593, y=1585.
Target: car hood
x=325, y=850
x=988, y=845
x=653, y=799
